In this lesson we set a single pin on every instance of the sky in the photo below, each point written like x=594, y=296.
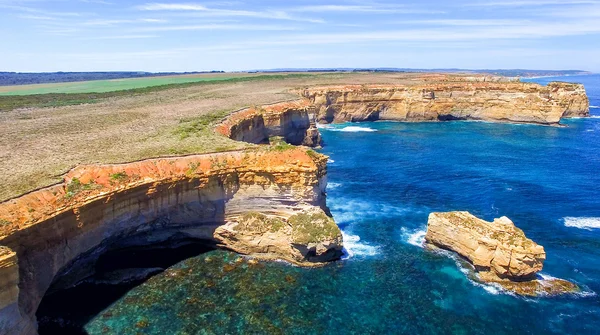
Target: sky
x=159, y=36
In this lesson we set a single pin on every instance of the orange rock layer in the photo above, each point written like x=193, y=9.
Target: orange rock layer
x=59, y=228
x=498, y=101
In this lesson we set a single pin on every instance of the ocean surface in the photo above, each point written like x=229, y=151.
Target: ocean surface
x=384, y=180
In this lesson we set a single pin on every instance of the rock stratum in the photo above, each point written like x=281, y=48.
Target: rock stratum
x=499, y=251
x=292, y=121
x=266, y=203
x=496, y=101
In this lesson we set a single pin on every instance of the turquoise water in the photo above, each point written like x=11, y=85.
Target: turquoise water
x=384, y=180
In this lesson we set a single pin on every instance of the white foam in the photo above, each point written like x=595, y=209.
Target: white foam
x=416, y=238
x=354, y=248
x=330, y=161
x=333, y=185
x=595, y=107
x=354, y=129
x=547, y=277
x=323, y=126
x=588, y=223
x=349, y=211
x=468, y=272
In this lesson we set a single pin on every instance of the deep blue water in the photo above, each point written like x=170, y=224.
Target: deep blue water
x=384, y=180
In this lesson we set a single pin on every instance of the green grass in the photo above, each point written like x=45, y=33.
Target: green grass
x=313, y=228
x=199, y=125
x=75, y=186
x=102, y=86
x=258, y=222
x=119, y=176
x=22, y=99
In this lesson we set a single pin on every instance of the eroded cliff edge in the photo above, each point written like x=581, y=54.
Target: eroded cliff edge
x=497, y=101
x=293, y=121
x=210, y=197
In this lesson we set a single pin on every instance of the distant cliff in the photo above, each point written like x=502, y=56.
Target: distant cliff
x=292, y=121
x=496, y=100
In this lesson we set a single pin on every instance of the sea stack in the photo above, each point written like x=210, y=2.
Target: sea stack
x=499, y=251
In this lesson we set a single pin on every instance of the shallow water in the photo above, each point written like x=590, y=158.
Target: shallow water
x=384, y=180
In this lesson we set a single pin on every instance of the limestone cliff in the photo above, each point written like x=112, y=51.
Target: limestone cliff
x=499, y=251
x=293, y=121
x=204, y=197
x=499, y=101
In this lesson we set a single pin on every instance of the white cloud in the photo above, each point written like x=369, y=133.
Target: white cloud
x=240, y=27
x=175, y=6
x=202, y=10
x=377, y=9
x=524, y=3
x=122, y=37
x=466, y=23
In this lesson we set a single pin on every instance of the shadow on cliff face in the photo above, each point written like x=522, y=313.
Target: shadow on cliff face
x=67, y=308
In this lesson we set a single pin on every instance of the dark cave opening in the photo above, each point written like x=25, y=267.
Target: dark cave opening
x=66, y=310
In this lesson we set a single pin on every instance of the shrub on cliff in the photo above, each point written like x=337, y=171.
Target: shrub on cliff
x=313, y=228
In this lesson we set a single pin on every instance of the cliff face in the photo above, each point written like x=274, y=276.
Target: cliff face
x=204, y=197
x=290, y=120
x=499, y=251
x=459, y=100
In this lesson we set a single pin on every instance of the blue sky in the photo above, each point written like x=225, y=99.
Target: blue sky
x=110, y=35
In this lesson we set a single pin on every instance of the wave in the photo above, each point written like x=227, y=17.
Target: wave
x=354, y=129
x=323, y=126
x=468, y=271
x=333, y=185
x=347, y=129
x=354, y=248
x=330, y=161
x=416, y=238
x=595, y=107
x=588, y=223
x=349, y=211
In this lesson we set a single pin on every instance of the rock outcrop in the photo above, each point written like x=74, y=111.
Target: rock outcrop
x=293, y=121
x=499, y=251
x=308, y=236
x=497, y=101
x=59, y=231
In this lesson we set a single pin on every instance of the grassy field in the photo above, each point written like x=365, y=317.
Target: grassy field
x=102, y=86
x=38, y=145
x=10, y=102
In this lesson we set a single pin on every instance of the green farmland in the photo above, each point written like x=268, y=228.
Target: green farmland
x=103, y=86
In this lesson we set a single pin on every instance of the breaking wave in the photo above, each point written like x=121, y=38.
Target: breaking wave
x=354, y=248
x=354, y=129
x=588, y=223
x=416, y=238
x=347, y=129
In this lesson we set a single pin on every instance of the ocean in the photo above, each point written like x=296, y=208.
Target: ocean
x=384, y=180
